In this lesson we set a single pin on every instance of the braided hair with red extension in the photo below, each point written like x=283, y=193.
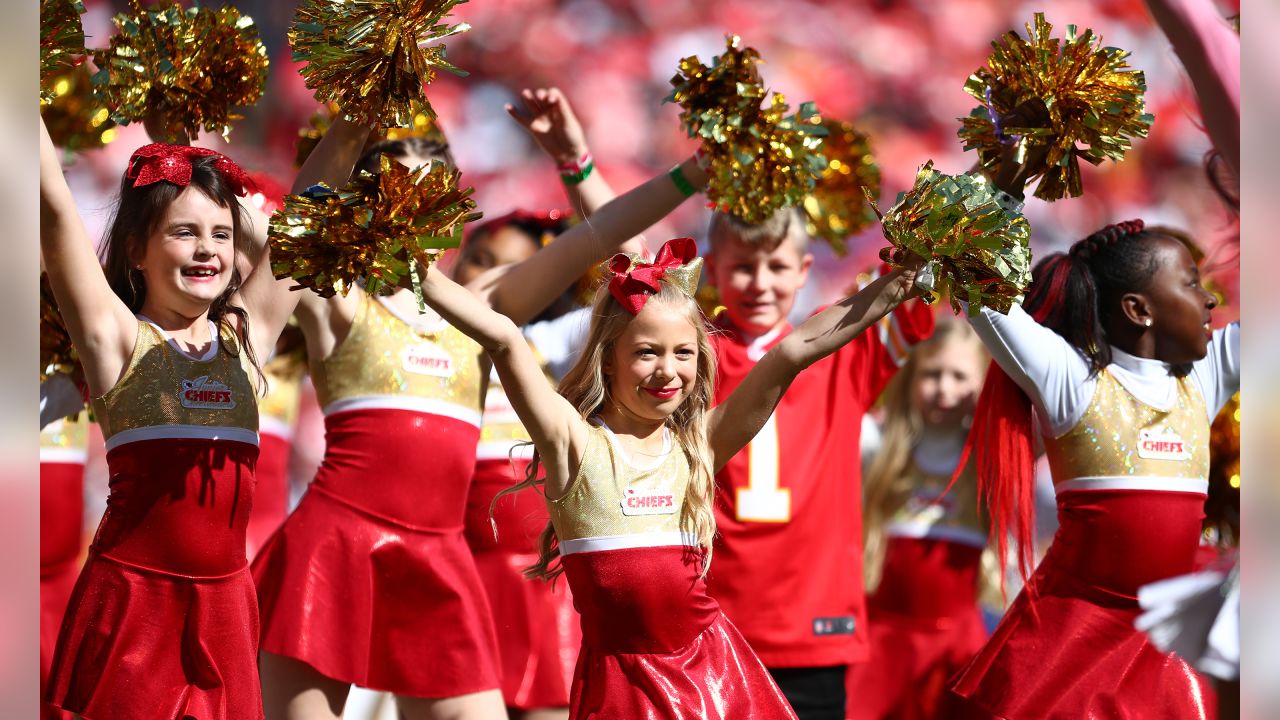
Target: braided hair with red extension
x=1077, y=295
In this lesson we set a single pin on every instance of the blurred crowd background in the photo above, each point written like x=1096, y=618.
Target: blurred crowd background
x=895, y=68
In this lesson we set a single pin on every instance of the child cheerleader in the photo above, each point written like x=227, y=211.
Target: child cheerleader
x=630, y=447
x=162, y=622
x=924, y=546
x=370, y=581
x=1114, y=351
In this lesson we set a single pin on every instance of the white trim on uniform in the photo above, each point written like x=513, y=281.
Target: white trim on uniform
x=272, y=425
x=63, y=455
x=934, y=531
x=504, y=450
x=1145, y=482
x=208, y=354
x=429, y=406
x=627, y=542
x=185, y=432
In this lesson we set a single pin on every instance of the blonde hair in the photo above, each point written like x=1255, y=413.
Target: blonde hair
x=886, y=485
x=768, y=235
x=586, y=387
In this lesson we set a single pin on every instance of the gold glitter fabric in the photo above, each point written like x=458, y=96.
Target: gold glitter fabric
x=1121, y=436
x=594, y=504
x=383, y=355
x=162, y=386
x=192, y=64
x=66, y=434
x=61, y=41
x=759, y=158
x=1072, y=98
x=284, y=387
x=928, y=504
x=374, y=57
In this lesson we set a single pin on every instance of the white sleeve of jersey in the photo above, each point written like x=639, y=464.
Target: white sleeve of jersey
x=560, y=340
x=1218, y=372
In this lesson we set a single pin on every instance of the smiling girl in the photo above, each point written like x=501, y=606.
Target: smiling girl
x=162, y=621
x=630, y=445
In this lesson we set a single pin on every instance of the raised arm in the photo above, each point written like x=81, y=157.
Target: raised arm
x=734, y=422
x=101, y=326
x=556, y=428
x=522, y=290
x=549, y=119
x=268, y=300
x=1210, y=51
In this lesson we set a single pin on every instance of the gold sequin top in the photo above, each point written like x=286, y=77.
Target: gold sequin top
x=164, y=393
x=278, y=409
x=387, y=362
x=930, y=513
x=611, y=497
x=1120, y=437
x=65, y=440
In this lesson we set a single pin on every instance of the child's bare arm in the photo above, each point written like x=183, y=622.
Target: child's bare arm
x=734, y=422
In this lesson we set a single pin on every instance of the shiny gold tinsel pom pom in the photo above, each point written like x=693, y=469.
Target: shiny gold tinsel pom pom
x=61, y=41
x=759, y=158
x=190, y=66
x=372, y=230
x=371, y=56
x=837, y=207
x=975, y=250
x=1064, y=101
x=77, y=120
x=57, y=354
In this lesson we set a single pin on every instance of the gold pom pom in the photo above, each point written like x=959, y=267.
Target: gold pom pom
x=374, y=230
x=759, y=158
x=837, y=207
x=61, y=41
x=372, y=57
x=423, y=125
x=190, y=66
x=57, y=354
x=76, y=119
x=1064, y=101
x=975, y=250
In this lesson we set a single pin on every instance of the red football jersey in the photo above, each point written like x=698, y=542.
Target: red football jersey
x=787, y=567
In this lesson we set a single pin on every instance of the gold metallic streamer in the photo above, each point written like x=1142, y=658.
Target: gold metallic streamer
x=61, y=41
x=837, y=207
x=759, y=158
x=365, y=55
x=57, y=354
x=189, y=66
x=422, y=125
x=1062, y=100
x=975, y=250
x=75, y=117
x=371, y=230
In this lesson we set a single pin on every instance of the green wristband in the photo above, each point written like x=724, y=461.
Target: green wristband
x=681, y=182
x=574, y=178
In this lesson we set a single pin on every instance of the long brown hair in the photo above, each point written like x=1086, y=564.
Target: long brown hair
x=139, y=212
x=587, y=389
x=886, y=486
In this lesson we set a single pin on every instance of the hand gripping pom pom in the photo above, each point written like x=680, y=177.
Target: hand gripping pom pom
x=61, y=42
x=192, y=66
x=837, y=207
x=1064, y=101
x=374, y=230
x=57, y=354
x=975, y=250
x=759, y=158
x=373, y=57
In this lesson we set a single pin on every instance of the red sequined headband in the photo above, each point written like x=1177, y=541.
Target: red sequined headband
x=172, y=163
x=634, y=281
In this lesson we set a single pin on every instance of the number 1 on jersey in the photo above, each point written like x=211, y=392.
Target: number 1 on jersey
x=762, y=500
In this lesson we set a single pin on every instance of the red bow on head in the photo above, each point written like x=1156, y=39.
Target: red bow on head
x=633, y=281
x=172, y=163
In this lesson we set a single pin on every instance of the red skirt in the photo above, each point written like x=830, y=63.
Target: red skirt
x=1074, y=652
x=271, y=496
x=923, y=625
x=375, y=602
x=140, y=644
x=61, y=520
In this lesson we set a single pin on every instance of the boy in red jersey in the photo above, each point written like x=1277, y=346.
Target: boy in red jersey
x=788, y=557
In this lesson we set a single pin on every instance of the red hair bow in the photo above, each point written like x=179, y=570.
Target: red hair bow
x=172, y=163
x=634, y=281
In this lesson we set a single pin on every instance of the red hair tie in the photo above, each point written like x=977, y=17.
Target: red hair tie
x=172, y=163
x=634, y=281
